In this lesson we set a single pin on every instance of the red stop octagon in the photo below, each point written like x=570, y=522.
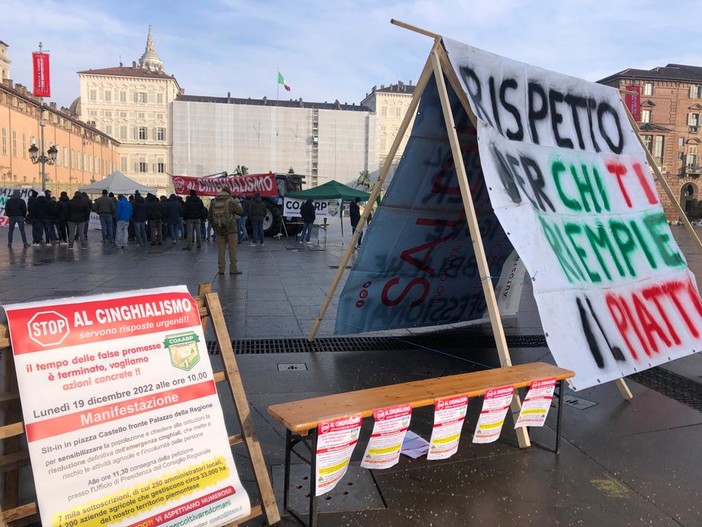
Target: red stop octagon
x=48, y=328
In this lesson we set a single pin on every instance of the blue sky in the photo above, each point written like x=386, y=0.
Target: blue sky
x=338, y=49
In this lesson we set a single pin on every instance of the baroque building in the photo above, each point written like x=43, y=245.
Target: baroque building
x=323, y=141
x=389, y=104
x=131, y=104
x=670, y=125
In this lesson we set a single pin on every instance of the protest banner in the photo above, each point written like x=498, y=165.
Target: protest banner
x=570, y=183
x=121, y=413
x=241, y=186
x=5, y=194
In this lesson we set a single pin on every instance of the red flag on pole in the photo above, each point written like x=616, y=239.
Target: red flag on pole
x=632, y=99
x=42, y=78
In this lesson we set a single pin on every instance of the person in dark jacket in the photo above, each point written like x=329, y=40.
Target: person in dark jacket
x=53, y=216
x=105, y=207
x=139, y=217
x=78, y=212
x=174, y=214
x=257, y=213
x=155, y=215
x=39, y=210
x=355, y=217
x=63, y=222
x=192, y=212
x=308, y=216
x=16, y=210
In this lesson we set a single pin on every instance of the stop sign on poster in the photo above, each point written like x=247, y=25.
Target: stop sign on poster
x=48, y=328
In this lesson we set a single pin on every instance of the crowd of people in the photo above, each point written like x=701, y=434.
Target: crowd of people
x=143, y=219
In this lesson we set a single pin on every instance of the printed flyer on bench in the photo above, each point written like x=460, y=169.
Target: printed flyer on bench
x=121, y=413
x=389, y=429
x=492, y=416
x=537, y=403
x=449, y=414
x=336, y=441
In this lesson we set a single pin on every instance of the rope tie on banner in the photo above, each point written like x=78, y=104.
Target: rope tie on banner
x=488, y=277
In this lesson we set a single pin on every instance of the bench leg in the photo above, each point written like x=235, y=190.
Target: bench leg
x=286, y=484
x=313, y=481
x=559, y=416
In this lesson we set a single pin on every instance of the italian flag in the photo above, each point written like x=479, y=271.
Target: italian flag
x=281, y=80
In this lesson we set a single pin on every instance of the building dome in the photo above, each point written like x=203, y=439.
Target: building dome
x=150, y=59
x=74, y=109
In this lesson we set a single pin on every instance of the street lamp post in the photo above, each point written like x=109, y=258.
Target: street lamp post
x=45, y=158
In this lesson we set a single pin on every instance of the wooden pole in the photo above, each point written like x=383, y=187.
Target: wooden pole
x=416, y=29
x=416, y=96
x=243, y=412
x=474, y=228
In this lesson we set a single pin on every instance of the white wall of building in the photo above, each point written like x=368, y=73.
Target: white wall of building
x=210, y=137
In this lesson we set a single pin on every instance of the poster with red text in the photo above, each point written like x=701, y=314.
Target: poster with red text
x=495, y=405
x=121, y=413
x=537, y=403
x=391, y=424
x=336, y=440
x=449, y=414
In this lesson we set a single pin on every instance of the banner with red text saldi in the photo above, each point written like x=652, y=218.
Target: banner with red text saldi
x=569, y=181
x=416, y=265
x=121, y=413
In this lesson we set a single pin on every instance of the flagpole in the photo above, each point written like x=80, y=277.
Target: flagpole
x=277, y=84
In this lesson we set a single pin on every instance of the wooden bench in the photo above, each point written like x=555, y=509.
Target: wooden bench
x=301, y=418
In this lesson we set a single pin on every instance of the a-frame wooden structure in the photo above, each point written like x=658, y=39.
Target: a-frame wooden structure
x=13, y=457
x=438, y=65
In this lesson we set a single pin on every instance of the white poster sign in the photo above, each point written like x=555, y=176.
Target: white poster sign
x=569, y=181
x=383, y=449
x=537, y=403
x=121, y=412
x=323, y=208
x=449, y=414
x=336, y=440
x=495, y=405
x=5, y=194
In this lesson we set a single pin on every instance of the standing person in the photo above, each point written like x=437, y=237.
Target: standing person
x=204, y=224
x=173, y=217
x=139, y=217
x=192, y=212
x=54, y=215
x=78, y=212
x=155, y=214
x=123, y=213
x=39, y=210
x=308, y=216
x=257, y=212
x=222, y=217
x=105, y=208
x=63, y=222
x=243, y=235
x=86, y=223
x=16, y=210
x=355, y=216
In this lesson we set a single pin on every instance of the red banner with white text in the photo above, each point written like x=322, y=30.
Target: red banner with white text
x=42, y=77
x=242, y=186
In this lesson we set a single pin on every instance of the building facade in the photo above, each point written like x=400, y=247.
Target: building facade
x=390, y=104
x=4, y=62
x=131, y=104
x=670, y=125
x=323, y=141
x=85, y=154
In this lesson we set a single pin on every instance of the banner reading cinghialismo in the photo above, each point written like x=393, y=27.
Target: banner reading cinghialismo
x=121, y=412
x=569, y=181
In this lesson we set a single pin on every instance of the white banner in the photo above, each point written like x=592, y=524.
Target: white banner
x=324, y=208
x=569, y=181
x=121, y=412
